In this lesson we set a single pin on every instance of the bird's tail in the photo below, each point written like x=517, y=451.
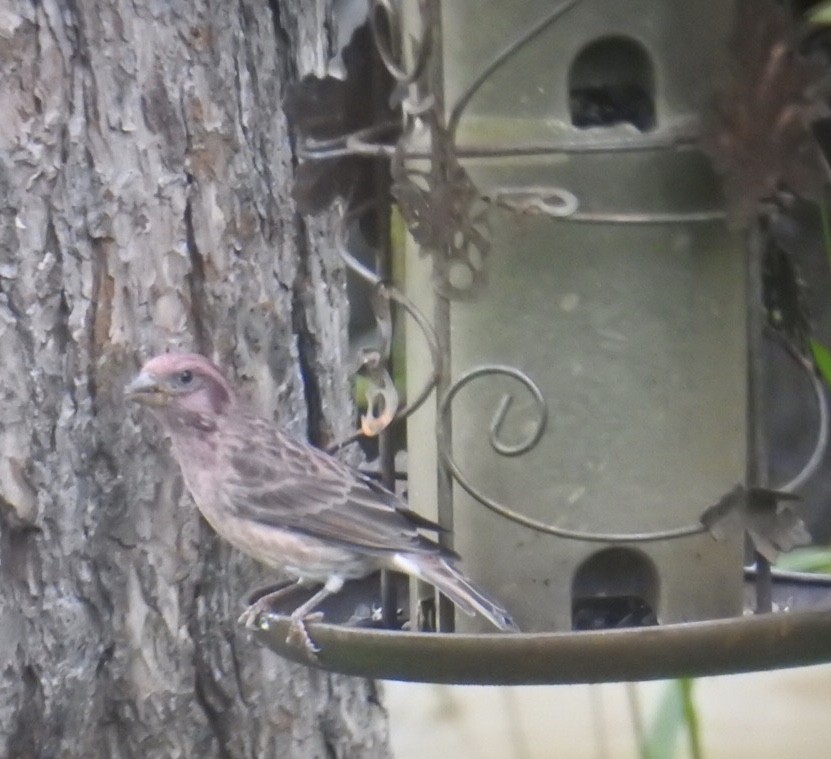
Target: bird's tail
x=461, y=591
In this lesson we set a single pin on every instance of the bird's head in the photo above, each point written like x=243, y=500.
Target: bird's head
x=182, y=388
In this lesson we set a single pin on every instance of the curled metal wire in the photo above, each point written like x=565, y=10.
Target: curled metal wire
x=647, y=217
x=341, y=225
x=550, y=201
x=380, y=392
x=363, y=142
x=821, y=443
x=516, y=450
x=505, y=55
x=432, y=344
x=367, y=142
x=392, y=294
x=370, y=142
x=392, y=14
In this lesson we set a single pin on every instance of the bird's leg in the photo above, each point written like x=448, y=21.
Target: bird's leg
x=256, y=593
x=302, y=614
x=250, y=616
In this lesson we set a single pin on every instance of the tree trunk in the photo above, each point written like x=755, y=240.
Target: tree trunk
x=145, y=171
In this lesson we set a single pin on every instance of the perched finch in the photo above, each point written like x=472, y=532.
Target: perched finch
x=286, y=503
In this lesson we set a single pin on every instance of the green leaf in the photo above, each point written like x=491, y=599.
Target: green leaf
x=822, y=358
x=662, y=739
x=676, y=715
x=820, y=13
x=690, y=717
x=806, y=560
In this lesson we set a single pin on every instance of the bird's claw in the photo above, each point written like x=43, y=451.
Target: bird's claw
x=299, y=635
x=250, y=618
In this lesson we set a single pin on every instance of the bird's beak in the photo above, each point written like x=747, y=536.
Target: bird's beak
x=146, y=389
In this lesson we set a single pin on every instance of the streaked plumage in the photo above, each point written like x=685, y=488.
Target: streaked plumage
x=286, y=503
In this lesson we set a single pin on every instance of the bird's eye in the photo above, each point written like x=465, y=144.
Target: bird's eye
x=186, y=377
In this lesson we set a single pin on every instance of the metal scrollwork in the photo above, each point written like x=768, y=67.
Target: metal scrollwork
x=517, y=449
x=391, y=293
x=446, y=217
x=550, y=201
x=820, y=445
x=508, y=53
x=374, y=361
x=390, y=11
x=444, y=210
x=381, y=393
x=497, y=421
x=809, y=469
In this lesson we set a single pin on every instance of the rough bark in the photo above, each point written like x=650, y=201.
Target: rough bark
x=145, y=171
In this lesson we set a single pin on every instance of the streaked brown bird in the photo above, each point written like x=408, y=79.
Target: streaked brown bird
x=291, y=506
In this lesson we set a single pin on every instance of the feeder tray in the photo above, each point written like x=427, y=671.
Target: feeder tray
x=350, y=644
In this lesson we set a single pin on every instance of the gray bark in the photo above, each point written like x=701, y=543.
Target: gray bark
x=145, y=171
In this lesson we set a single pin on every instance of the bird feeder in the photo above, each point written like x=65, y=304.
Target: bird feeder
x=592, y=329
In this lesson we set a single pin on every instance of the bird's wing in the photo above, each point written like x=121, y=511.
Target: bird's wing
x=285, y=483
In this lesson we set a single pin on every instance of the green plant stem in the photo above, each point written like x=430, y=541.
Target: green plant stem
x=690, y=717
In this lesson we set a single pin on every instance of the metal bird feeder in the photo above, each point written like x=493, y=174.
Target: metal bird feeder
x=592, y=332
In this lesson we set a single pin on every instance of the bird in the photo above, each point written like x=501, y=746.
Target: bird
x=288, y=504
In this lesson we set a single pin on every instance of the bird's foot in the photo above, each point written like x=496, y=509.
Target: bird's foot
x=250, y=618
x=299, y=635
